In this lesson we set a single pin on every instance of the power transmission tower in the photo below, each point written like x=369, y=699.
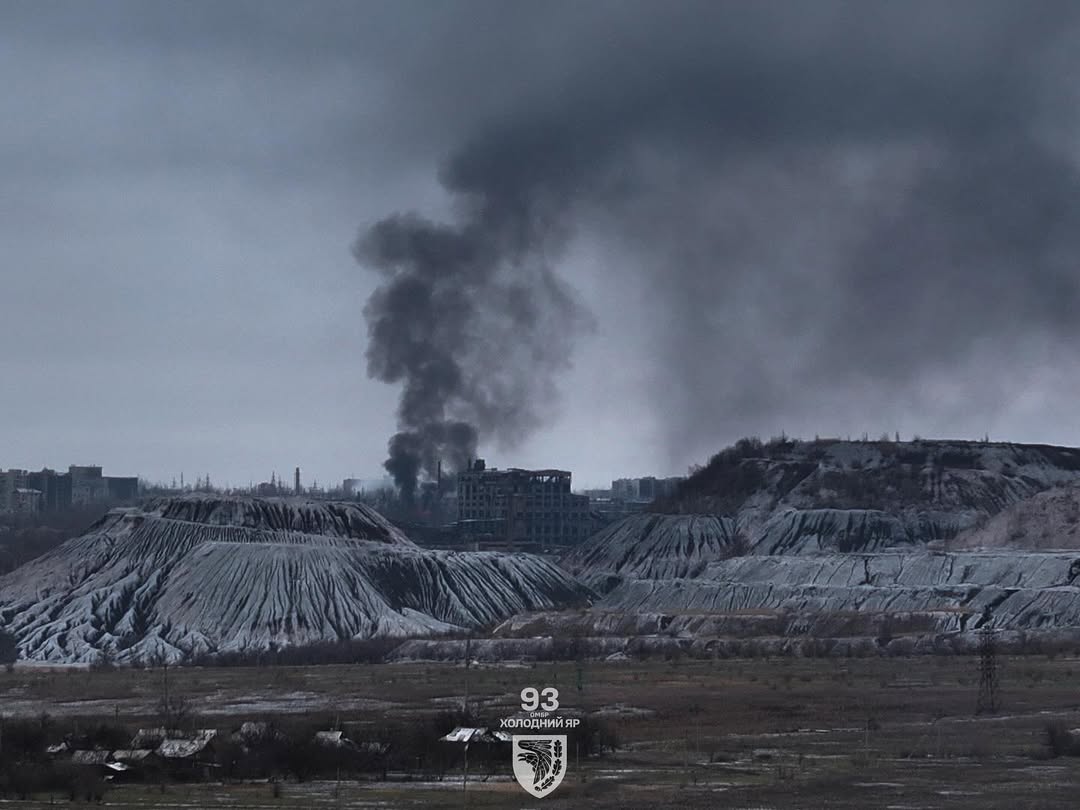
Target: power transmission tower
x=988, y=672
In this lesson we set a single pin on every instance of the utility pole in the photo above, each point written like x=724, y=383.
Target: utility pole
x=166, y=708
x=987, y=702
x=465, y=704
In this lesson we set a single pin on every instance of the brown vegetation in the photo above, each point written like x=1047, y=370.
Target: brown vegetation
x=778, y=732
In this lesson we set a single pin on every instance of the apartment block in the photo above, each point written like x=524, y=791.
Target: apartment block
x=49, y=490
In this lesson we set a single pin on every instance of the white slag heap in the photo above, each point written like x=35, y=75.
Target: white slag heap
x=203, y=574
x=1030, y=591
x=832, y=538
x=649, y=546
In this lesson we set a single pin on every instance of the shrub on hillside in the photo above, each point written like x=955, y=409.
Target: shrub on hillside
x=1061, y=741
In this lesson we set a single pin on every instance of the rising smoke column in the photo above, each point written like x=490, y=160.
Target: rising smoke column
x=471, y=319
x=834, y=209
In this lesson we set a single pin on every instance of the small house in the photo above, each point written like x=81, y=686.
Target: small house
x=191, y=753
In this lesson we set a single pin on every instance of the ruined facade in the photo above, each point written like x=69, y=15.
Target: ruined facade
x=520, y=507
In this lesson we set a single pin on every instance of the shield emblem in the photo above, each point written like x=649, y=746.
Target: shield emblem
x=539, y=762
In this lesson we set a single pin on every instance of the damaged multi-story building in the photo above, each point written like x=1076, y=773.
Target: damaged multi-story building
x=519, y=508
x=22, y=491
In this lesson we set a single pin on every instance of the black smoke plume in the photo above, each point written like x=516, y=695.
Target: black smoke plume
x=471, y=320
x=835, y=208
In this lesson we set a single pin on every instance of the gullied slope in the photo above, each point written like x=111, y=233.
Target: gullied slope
x=651, y=547
x=822, y=497
x=326, y=518
x=1022, y=591
x=931, y=489
x=810, y=531
x=1048, y=520
x=828, y=537
x=194, y=574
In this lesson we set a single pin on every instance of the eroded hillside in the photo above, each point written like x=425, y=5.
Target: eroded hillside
x=200, y=574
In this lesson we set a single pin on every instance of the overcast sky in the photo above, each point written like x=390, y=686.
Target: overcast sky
x=814, y=217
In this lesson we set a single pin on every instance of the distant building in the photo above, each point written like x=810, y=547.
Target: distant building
x=645, y=489
x=49, y=491
x=593, y=494
x=624, y=489
x=608, y=510
x=122, y=488
x=10, y=482
x=25, y=501
x=354, y=486
x=534, y=507
x=55, y=488
x=268, y=489
x=87, y=485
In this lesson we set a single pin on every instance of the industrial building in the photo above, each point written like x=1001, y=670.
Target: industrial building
x=10, y=482
x=646, y=489
x=16, y=493
x=520, y=508
x=47, y=490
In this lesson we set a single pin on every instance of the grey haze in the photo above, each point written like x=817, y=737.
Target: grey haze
x=712, y=219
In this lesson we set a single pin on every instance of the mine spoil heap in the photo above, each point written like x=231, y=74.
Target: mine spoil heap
x=928, y=540
x=203, y=574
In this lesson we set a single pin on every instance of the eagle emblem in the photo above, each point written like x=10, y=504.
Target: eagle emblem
x=539, y=762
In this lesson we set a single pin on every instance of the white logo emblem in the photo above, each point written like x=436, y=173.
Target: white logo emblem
x=539, y=762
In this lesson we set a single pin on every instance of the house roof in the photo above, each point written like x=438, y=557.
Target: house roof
x=253, y=732
x=466, y=734
x=185, y=747
x=132, y=754
x=90, y=757
x=149, y=737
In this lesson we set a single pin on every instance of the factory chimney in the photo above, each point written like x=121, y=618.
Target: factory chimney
x=296, y=481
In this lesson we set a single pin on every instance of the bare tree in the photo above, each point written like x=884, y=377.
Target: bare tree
x=738, y=545
x=9, y=650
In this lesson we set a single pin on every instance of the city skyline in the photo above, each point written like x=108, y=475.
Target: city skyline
x=184, y=479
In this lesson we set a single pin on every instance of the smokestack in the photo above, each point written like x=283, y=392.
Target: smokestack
x=296, y=481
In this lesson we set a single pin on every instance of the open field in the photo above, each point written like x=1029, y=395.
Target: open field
x=780, y=733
